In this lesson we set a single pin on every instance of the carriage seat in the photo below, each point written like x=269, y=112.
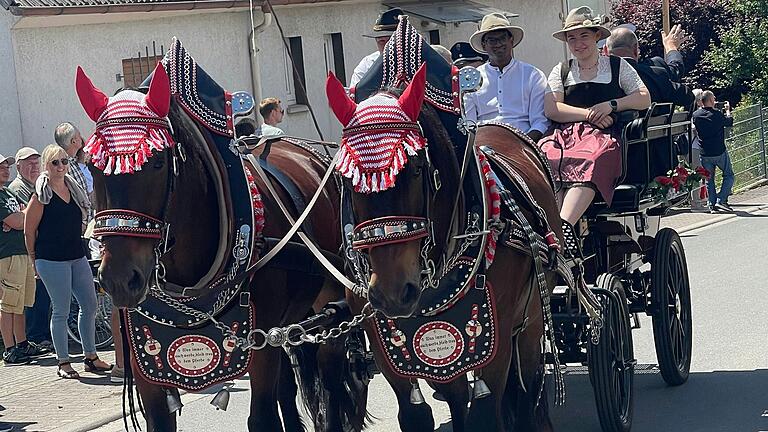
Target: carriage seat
x=646, y=139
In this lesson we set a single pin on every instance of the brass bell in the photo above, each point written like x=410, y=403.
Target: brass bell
x=173, y=400
x=416, y=397
x=480, y=389
x=221, y=400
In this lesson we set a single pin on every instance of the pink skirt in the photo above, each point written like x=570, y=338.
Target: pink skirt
x=581, y=153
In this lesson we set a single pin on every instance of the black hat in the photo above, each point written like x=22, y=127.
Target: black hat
x=463, y=51
x=386, y=23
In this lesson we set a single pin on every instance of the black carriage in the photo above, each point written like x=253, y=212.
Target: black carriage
x=631, y=266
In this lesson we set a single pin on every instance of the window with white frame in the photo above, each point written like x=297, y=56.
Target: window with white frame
x=295, y=81
x=333, y=48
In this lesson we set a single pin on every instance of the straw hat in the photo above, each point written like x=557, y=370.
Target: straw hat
x=582, y=18
x=492, y=22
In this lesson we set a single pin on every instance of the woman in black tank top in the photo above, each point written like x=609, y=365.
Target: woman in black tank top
x=583, y=95
x=52, y=232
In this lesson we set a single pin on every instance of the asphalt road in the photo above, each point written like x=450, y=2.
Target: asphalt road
x=728, y=387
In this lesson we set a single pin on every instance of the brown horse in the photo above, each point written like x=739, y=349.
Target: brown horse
x=191, y=208
x=397, y=268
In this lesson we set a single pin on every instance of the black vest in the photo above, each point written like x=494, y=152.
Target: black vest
x=587, y=94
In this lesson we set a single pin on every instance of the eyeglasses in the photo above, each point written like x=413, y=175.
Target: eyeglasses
x=63, y=161
x=490, y=40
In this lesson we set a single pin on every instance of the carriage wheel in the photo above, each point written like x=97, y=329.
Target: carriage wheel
x=612, y=361
x=103, y=321
x=671, y=296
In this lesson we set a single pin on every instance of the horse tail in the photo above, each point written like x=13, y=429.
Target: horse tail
x=303, y=360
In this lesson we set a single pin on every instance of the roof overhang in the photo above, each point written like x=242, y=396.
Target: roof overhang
x=446, y=11
x=48, y=8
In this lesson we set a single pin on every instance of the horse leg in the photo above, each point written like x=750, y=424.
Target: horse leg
x=263, y=415
x=153, y=399
x=457, y=396
x=287, y=391
x=529, y=415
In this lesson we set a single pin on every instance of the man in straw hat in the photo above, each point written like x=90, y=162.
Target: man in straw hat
x=512, y=91
x=383, y=28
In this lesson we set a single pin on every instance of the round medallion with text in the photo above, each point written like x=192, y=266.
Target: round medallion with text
x=193, y=355
x=438, y=343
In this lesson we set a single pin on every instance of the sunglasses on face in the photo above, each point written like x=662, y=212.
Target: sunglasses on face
x=56, y=162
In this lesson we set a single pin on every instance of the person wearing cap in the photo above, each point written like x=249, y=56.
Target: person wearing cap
x=16, y=273
x=28, y=169
x=583, y=96
x=383, y=29
x=661, y=76
x=463, y=54
x=36, y=316
x=512, y=91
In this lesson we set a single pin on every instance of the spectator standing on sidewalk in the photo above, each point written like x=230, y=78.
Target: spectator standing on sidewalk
x=68, y=137
x=16, y=274
x=710, y=126
x=53, y=229
x=37, y=316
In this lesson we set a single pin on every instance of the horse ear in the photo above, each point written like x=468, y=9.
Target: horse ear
x=413, y=96
x=93, y=100
x=159, y=96
x=343, y=107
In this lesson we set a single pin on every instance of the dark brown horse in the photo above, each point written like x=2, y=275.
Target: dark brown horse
x=397, y=268
x=281, y=296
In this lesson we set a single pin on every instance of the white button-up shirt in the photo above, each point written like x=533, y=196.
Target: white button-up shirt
x=514, y=95
x=363, y=67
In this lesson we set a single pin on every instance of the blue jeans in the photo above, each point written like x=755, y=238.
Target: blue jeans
x=38, y=315
x=724, y=163
x=63, y=279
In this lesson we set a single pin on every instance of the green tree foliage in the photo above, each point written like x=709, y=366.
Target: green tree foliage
x=740, y=59
x=702, y=20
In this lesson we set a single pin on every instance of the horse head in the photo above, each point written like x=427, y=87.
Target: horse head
x=391, y=172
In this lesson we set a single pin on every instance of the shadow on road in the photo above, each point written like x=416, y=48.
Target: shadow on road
x=719, y=401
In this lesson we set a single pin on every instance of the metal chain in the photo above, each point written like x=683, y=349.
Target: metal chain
x=342, y=328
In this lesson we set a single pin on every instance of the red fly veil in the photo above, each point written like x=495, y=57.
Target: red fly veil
x=130, y=126
x=379, y=133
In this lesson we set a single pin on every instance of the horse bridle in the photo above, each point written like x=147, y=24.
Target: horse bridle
x=388, y=230
x=131, y=223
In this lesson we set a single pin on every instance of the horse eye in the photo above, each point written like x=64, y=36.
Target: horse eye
x=159, y=163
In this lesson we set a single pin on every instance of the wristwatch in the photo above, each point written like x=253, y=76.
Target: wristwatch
x=614, y=105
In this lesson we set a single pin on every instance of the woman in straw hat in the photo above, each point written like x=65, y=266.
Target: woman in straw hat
x=583, y=95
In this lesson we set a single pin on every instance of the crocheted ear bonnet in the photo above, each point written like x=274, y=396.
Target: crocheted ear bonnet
x=379, y=133
x=130, y=126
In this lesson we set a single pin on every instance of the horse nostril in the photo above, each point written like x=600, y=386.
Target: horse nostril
x=411, y=293
x=136, y=283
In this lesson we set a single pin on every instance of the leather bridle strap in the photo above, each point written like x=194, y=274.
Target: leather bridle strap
x=296, y=223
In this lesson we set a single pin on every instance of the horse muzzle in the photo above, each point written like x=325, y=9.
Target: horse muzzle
x=395, y=303
x=127, y=286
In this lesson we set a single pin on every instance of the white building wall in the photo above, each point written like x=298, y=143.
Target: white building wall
x=48, y=50
x=10, y=120
x=47, y=58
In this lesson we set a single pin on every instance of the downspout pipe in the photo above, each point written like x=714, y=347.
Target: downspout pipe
x=254, y=61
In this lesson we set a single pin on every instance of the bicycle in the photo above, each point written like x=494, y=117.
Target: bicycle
x=103, y=315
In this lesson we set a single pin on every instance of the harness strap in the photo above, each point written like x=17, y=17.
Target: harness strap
x=296, y=224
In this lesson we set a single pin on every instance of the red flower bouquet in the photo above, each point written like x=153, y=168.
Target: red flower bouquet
x=679, y=180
